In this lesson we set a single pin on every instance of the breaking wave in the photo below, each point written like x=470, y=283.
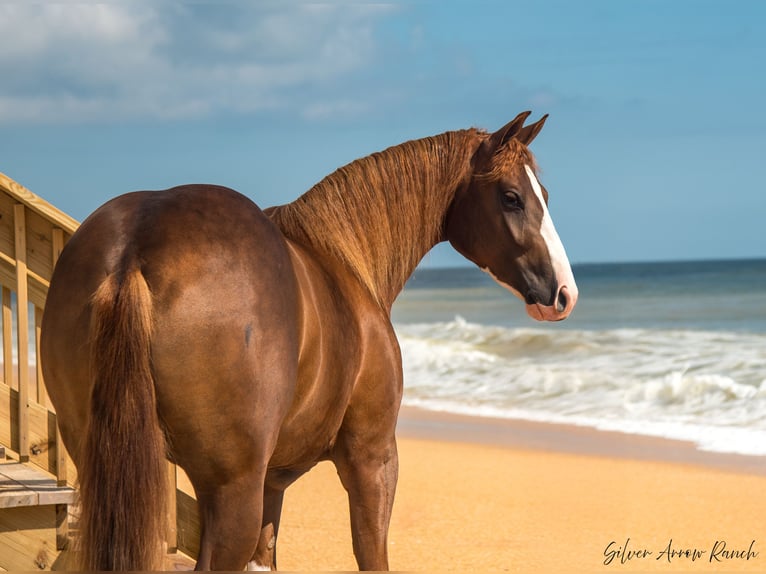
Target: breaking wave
x=705, y=386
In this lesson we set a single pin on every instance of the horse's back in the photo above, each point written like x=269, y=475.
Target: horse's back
x=223, y=299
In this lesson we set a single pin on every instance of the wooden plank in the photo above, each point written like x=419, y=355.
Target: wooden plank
x=35, y=203
x=12, y=492
x=188, y=532
x=71, y=470
x=8, y=435
x=6, y=223
x=22, y=327
x=57, y=239
x=23, y=485
x=55, y=494
x=62, y=526
x=171, y=510
x=178, y=561
x=20, y=472
x=39, y=246
x=7, y=339
x=42, y=394
x=28, y=538
x=62, y=464
x=16, y=496
x=188, y=525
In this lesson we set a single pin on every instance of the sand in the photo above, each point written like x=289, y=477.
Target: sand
x=479, y=495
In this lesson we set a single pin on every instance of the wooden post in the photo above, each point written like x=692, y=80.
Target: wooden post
x=171, y=534
x=42, y=394
x=57, y=238
x=22, y=323
x=7, y=338
x=62, y=526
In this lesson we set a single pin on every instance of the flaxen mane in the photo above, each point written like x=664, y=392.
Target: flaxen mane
x=365, y=213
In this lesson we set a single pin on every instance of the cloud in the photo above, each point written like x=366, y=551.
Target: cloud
x=75, y=62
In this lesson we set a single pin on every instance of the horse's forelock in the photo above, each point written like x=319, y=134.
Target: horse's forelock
x=511, y=155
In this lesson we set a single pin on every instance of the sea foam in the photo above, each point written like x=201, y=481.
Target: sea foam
x=708, y=387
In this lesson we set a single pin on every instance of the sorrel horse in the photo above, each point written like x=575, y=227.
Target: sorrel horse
x=246, y=346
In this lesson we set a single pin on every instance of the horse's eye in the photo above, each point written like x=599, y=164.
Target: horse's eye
x=511, y=201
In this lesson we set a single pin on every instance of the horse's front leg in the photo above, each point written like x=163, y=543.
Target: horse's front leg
x=368, y=473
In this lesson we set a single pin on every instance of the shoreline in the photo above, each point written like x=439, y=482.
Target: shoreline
x=418, y=423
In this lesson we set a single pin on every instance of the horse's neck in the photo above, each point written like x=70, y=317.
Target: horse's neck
x=381, y=214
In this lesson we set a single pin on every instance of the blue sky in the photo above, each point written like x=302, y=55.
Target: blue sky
x=654, y=149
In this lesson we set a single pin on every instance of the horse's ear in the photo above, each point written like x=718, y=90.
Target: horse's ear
x=509, y=130
x=526, y=134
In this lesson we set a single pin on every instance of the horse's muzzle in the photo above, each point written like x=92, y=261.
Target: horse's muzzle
x=563, y=303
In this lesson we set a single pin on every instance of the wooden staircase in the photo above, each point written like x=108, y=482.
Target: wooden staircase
x=36, y=515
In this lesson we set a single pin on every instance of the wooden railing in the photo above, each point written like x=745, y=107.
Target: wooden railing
x=32, y=235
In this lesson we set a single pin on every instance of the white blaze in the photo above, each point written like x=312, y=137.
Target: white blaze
x=561, y=268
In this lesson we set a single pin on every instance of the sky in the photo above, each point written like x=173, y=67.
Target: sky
x=655, y=147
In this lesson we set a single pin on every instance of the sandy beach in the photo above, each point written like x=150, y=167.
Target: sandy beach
x=487, y=495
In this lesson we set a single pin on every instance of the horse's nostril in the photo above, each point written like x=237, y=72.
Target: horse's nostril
x=562, y=300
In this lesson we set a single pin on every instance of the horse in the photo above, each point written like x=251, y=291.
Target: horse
x=246, y=345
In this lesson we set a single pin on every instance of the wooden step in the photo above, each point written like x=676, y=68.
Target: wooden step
x=34, y=521
x=23, y=485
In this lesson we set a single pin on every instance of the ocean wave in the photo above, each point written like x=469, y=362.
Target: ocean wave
x=665, y=382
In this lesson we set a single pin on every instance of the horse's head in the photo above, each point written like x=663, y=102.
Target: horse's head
x=500, y=221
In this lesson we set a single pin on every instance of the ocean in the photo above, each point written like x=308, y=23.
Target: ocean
x=671, y=349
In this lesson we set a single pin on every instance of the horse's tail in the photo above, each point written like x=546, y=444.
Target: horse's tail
x=122, y=474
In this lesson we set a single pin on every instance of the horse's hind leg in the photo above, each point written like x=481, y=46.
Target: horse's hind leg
x=265, y=557
x=231, y=522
